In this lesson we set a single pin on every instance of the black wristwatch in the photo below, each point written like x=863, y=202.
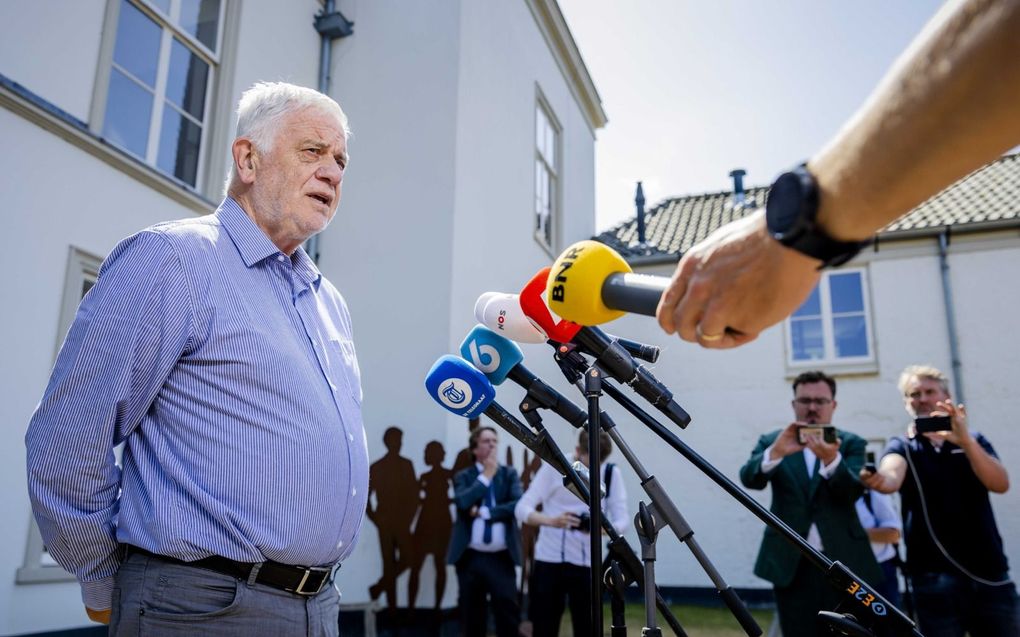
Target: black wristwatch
x=790, y=214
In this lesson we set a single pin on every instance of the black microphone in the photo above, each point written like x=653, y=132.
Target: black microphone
x=620, y=365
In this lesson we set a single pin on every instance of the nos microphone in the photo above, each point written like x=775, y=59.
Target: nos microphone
x=503, y=314
x=591, y=284
x=499, y=358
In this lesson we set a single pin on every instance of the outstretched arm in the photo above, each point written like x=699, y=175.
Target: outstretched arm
x=947, y=107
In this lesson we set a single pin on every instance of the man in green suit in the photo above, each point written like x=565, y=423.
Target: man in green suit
x=814, y=487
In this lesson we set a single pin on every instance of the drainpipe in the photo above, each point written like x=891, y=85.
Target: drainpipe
x=330, y=25
x=947, y=298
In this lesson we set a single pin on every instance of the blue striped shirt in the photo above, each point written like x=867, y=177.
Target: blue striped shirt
x=228, y=370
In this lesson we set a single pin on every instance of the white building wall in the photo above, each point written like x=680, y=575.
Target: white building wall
x=52, y=47
x=390, y=250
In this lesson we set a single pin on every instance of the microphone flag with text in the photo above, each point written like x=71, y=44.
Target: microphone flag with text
x=464, y=391
x=500, y=358
x=590, y=284
x=503, y=314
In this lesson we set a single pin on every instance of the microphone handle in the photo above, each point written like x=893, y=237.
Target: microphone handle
x=634, y=293
x=509, y=423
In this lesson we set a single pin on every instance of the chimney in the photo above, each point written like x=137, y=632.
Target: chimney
x=738, y=186
x=639, y=202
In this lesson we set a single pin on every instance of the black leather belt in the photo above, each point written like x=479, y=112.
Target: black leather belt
x=300, y=580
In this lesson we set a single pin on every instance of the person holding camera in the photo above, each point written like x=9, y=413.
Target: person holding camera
x=943, y=471
x=562, y=569
x=813, y=469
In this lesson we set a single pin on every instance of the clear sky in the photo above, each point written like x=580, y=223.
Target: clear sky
x=696, y=88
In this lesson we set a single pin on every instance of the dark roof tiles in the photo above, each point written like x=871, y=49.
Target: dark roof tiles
x=989, y=194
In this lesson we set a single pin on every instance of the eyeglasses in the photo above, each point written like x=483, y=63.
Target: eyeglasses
x=807, y=402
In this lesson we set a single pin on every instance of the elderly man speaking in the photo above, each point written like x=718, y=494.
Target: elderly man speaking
x=215, y=350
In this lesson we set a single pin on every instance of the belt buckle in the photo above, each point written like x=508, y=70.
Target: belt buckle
x=299, y=589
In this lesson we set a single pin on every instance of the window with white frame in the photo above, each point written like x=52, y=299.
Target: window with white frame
x=157, y=104
x=834, y=323
x=82, y=272
x=547, y=138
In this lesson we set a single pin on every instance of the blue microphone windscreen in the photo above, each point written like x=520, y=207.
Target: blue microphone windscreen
x=490, y=353
x=458, y=387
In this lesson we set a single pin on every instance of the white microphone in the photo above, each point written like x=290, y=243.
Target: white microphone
x=502, y=313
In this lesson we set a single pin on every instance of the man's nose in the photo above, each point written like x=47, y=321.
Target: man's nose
x=331, y=172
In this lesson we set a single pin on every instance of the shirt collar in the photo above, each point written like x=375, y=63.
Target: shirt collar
x=254, y=246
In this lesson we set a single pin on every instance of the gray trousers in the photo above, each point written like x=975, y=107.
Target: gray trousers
x=156, y=597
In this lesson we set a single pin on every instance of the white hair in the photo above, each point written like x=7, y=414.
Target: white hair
x=263, y=106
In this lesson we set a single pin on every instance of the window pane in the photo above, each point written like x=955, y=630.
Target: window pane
x=539, y=129
x=137, y=48
x=812, y=306
x=851, y=336
x=200, y=18
x=128, y=110
x=185, y=85
x=550, y=146
x=806, y=339
x=178, y=146
x=164, y=5
x=846, y=292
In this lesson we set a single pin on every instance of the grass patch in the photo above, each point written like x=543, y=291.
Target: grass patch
x=697, y=621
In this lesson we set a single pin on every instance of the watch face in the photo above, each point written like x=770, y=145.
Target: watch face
x=784, y=206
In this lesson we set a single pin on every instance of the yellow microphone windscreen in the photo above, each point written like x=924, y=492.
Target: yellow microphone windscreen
x=574, y=288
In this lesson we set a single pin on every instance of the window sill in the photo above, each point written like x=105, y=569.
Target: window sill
x=42, y=575
x=545, y=246
x=833, y=368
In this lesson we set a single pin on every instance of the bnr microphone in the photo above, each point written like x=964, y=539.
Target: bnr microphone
x=499, y=358
x=502, y=313
x=591, y=284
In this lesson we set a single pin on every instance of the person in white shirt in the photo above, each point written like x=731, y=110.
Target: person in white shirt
x=562, y=569
x=883, y=525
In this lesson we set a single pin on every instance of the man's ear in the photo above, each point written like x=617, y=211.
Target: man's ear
x=245, y=160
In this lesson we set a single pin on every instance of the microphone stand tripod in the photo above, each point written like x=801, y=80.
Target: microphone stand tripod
x=865, y=612
x=622, y=555
x=662, y=512
x=592, y=391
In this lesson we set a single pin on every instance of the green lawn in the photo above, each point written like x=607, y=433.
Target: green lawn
x=698, y=621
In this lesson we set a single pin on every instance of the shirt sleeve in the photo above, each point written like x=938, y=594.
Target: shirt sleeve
x=616, y=504
x=885, y=515
x=826, y=470
x=767, y=463
x=538, y=491
x=127, y=335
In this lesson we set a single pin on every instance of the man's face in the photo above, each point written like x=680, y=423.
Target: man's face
x=486, y=445
x=921, y=394
x=298, y=182
x=813, y=403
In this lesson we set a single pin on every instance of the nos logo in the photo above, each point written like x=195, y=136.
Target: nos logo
x=484, y=357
